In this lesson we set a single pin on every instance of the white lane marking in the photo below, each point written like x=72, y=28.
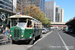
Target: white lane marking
x=38, y=40
x=63, y=42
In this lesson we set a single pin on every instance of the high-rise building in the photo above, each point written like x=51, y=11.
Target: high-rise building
x=6, y=10
x=14, y=5
x=19, y=6
x=50, y=10
x=59, y=14
x=38, y=3
x=42, y=5
x=62, y=15
x=6, y=4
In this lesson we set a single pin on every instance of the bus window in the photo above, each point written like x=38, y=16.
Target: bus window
x=29, y=24
x=22, y=20
x=35, y=25
x=21, y=24
x=13, y=22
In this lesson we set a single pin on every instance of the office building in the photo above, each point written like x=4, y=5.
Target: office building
x=50, y=8
x=62, y=15
x=19, y=6
x=14, y=5
x=42, y=6
x=38, y=3
x=59, y=14
x=6, y=10
x=6, y=4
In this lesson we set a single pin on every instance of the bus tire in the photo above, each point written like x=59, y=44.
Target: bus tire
x=40, y=36
x=32, y=41
x=13, y=42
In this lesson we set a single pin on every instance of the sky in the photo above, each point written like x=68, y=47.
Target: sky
x=69, y=8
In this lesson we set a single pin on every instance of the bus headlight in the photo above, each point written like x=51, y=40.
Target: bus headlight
x=21, y=35
x=30, y=37
x=10, y=35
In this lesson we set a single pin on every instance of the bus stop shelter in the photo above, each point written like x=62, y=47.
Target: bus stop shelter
x=71, y=22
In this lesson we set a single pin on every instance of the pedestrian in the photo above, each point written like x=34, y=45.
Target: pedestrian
x=9, y=31
x=6, y=31
x=1, y=30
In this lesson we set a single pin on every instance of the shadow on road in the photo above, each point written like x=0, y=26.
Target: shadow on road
x=71, y=34
x=24, y=42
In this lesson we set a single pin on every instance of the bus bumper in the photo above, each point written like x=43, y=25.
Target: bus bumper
x=21, y=39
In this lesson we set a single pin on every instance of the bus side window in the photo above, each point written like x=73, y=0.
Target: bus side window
x=29, y=24
x=35, y=25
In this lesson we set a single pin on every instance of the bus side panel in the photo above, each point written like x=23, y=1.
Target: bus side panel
x=37, y=32
x=28, y=33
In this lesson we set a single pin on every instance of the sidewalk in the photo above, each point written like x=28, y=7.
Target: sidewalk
x=3, y=38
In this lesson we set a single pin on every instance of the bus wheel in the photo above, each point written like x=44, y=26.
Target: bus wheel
x=32, y=41
x=40, y=36
x=13, y=42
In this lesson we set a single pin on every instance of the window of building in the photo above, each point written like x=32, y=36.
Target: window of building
x=1, y=6
x=1, y=2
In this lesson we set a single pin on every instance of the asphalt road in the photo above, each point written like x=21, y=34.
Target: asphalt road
x=57, y=40
x=20, y=46
x=54, y=40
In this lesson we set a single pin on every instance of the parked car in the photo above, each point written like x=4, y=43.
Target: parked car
x=44, y=30
x=64, y=29
x=48, y=30
x=69, y=29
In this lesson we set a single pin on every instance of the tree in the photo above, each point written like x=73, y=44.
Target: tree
x=36, y=12
x=19, y=8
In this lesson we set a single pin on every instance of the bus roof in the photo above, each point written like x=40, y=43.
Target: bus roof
x=21, y=16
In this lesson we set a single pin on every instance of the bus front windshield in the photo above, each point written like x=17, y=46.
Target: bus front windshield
x=18, y=22
x=21, y=24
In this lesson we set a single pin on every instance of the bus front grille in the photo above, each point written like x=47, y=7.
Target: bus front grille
x=16, y=32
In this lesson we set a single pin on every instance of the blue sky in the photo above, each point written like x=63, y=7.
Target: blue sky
x=69, y=8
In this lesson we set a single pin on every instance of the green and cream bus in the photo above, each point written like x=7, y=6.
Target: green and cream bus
x=24, y=27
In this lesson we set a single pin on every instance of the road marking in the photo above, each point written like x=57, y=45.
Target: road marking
x=38, y=40
x=63, y=42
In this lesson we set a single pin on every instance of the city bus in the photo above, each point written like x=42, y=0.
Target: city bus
x=23, y=27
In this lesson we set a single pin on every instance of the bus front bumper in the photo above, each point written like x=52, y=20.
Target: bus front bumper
x=21, y=39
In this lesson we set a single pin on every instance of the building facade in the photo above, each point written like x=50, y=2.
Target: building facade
x=62, y=15
x=14, y=5
x=50, y=7
x=42, y=6
x=6, y=4
x=38, y=3
x=59, y=14
x=19, y=6
x=6, y=10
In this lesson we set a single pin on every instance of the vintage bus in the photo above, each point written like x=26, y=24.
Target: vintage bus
x=24, y=27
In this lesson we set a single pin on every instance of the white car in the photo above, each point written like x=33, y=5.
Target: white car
x=44, y=30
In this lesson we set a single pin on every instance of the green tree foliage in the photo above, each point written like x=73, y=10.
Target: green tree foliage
x=35, y=12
